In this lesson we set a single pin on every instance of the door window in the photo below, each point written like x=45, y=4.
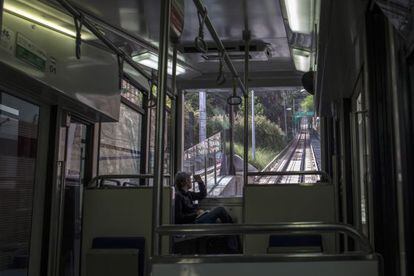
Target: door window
x=18, y=151
x=72, y=214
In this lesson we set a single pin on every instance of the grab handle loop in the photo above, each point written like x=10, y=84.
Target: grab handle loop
x=200, y=43
x=234, y=99
x=151, y=99
x=78, y=40
x=221, y=79
x=121, y=59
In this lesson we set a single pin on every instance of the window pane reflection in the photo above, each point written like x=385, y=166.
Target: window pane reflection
x=131, y=93
x=18, y=140
x=120, y=148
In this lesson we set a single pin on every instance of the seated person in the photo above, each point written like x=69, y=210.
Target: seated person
x=185, y=209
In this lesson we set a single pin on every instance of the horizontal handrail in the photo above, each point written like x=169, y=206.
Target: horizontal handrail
x=322, y=173
x=291, y=228
x=104, y=177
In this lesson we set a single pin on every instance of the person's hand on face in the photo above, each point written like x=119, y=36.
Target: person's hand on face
x=189, y=184
x=197, y=178
x=199, y=211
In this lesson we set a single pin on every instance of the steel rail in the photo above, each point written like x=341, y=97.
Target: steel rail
x=78, y=15
x=203, y=11
x=291, y=228
x=289, y=160
x=322, y=173
x=291, y=149
x=312, y=156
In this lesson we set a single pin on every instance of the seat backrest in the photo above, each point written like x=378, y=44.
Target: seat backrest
x=109, y=262
x=258, y=265
x=287, y=203
x=121, y=213
x=297, y=243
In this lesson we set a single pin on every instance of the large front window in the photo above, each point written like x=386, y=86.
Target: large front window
x=283, y=136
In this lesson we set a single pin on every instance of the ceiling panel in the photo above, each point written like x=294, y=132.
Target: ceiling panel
x=140, y=18
x=264, y=17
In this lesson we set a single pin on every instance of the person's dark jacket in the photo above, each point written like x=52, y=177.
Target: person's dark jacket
x=185, y=209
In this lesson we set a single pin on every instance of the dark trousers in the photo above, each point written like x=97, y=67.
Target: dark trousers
x=220, y=213
x=212, y=216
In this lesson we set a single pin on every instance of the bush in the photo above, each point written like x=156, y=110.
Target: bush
x=262, y=157
x=268, y=134
x=217, y=123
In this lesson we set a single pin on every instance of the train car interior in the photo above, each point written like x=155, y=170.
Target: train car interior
x=206, y=137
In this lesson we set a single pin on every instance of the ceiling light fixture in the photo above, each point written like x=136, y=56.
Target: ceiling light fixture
x=54, y=19
x=302, y=59
x=301, y=15
x=150, y=60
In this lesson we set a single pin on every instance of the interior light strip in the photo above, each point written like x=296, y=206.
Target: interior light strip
x=26, y=14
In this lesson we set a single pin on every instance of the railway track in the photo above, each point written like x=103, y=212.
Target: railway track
x=299, y=155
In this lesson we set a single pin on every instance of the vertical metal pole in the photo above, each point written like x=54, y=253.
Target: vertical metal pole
x=215, y=169
x=207, y=158
x=160, y=123
x=173, y=144
x=253, y=129
x=246, y=37
x=202, y=101
x=205, y=169
x=284, y=112
x=293, y=118
x=232, y=170
x=179, y=130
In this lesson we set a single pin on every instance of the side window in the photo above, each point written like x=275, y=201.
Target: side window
x=152, y=111
x=120, y=150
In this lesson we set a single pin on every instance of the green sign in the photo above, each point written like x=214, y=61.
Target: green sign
x=29, y=53
x=304, y=114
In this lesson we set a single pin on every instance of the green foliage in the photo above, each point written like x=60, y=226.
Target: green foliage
x=269, y=111
x=268, y=134
x=307, y=104
x=217, y=123
x=263, y=156
x=258, y=107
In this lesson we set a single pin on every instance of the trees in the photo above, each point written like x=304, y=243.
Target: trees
x=307, y=104
x=259, y=109
x=274, y=116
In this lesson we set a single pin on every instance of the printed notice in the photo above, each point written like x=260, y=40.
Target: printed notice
x=28, y=52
